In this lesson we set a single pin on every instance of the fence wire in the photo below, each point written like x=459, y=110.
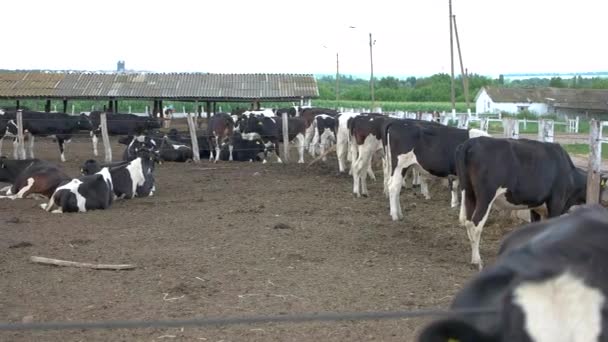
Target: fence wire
x=226, y=321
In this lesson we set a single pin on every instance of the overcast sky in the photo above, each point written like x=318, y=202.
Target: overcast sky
x=268, y=36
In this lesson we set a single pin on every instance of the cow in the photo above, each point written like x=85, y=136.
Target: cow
x=154, y=140
x=309, y=114
x=324, y=134
x=60, y=126
x=120, y=124
x=129, y=178
x=30, y=177
x=4, y=132
x=366, y=138
x=515, y=174
x=82, y=194
x=267, y=129
x=548, y=284
x=247, y=147
x=219, y=130
x=174, y=151
x=427, y=146
x=296, y=131
x=138, y=143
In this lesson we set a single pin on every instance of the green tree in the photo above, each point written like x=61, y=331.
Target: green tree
x=557, y=82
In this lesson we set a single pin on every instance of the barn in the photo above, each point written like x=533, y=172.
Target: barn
x=541, y=101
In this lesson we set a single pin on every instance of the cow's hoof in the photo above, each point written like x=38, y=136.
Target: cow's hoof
x=43, y=206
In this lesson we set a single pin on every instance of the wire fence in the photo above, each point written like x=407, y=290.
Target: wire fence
x=227, y=321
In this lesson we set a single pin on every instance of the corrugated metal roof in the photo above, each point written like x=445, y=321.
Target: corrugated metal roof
x=152, y=85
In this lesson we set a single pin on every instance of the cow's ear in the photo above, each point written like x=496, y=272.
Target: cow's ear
x=603, y=183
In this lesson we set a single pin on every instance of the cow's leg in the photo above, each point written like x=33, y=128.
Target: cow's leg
x=48, y=206
x=230, y=148
x=356, y=171
x=217, y=148
x=300, y=139
x=309, y=133
x=462, y=217
x=95, y=141
x=313, y=144
x=478, y=220
x=324, y=142
x=341, y=153
x=61, y=144
x=23, y=192
x=1, y=141
x=424, y=186
x=396, y=182
x=276, y=150
x=454, y=190
x=354, y=153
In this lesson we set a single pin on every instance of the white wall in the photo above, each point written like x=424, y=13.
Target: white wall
x=484, y=104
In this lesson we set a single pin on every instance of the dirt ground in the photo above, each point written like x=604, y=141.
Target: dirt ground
x=235, y=239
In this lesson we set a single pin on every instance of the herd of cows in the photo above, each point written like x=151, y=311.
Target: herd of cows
x=543, y=273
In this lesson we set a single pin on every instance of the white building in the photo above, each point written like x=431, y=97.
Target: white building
x=540, y=101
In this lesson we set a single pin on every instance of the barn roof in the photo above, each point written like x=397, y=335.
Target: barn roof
x=184, y=86
x=589, y=99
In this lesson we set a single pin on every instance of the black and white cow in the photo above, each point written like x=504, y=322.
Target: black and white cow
x=219, y=131
x=247, y=147
x=343, y=151
x=365, y=140
x=174, y=151
x=308, y=115
x=82, y=194
x=139, y=143
x=130, y=179
x=324, y=134
x=514, y=175
x=296, y=128
x=548, y=284
x=429, y=147
x=30, y=177
x=119, y=124
x=60, y=126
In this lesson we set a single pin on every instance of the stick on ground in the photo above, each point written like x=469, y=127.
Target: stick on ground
x=331, y=149
x=57, y=262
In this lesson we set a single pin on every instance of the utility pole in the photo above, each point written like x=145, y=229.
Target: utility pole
x=453, y=91
x=337, y=78
x=371, y=62
x=465, y=82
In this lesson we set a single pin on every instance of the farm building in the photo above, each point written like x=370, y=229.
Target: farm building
x=560, y=101
x=188, y=87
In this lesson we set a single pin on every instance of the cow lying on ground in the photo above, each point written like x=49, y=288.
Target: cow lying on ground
x=429, y=147
x=515, y=175
x=30, y=177
x=547, y=285
x=82, y=194
x=129, y=178
x=119, y=124
x=247, y=147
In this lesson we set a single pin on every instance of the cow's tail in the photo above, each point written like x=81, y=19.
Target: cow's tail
x=460, y=159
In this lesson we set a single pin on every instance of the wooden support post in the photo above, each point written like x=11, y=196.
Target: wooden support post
x=65, y=106
x=17, y=105
x=545, y=130
x=595, y=161
x=214, y=108
x=192, y=128
x=285, y=120
x=111, y=106
x=20, y=139
x=116, y=106
x=73, y=108
x=105, y=138
x=47, y=106
x=208, y=109
x=511, y=128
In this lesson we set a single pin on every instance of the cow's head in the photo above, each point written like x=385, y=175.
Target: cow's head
x=604, y=190
x=11, y=128
x=90, y=167
x=85, y=123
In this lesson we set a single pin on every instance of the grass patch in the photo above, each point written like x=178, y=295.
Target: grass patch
x=582, y=149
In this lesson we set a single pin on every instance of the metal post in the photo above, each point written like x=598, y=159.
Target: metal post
x=595, y=161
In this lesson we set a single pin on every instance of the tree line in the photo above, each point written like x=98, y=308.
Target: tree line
x=437, y=88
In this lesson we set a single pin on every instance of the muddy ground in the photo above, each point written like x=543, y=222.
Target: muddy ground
x=235, y=239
